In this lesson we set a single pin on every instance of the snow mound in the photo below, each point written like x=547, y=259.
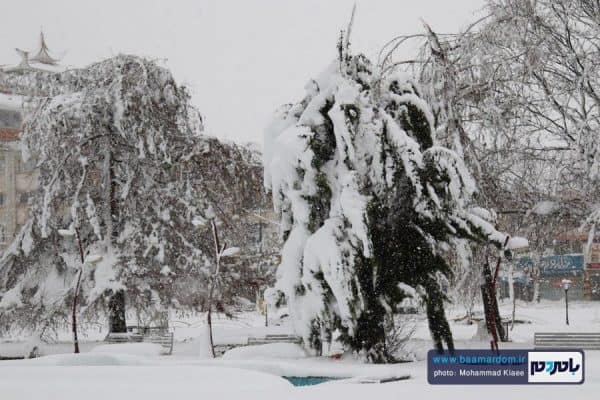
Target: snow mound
x=517, y=242
x=345, y=368
x=266, y=351
x=134, y=349
x=82, y=359
x=545, y=207
x=135, y=383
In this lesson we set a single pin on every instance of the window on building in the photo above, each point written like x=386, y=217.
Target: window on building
x=1, y=199
x=22, y=166
x=10, y=118
x=24, y=197
x=30, y=164
x=2, y=233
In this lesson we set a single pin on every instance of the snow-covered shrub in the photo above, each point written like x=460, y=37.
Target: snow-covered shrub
x=369, y=203
x=398, y=332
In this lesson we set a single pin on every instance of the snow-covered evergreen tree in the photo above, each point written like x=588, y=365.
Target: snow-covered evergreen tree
x=369, y=205
x=122, y=158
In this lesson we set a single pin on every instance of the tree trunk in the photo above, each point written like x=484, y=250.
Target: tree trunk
x=109, y=195
x=490, y=304
x=370, y=335
x=74, y=312
x=218, y=251
x=210, y=332
x=514, y=307
x=117, y=322
x=76, y=294
x=116, y=313
x=436, y=317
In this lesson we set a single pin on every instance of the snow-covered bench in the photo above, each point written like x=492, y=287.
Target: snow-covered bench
x=221, y=348
x=10, y=358
x=144, y=334
x=571, y=340
x=253, y=340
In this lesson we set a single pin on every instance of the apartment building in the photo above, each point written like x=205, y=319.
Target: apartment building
x=18, y=178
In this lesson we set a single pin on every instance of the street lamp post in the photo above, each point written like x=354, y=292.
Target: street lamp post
x=566, y=284
x=266, y=313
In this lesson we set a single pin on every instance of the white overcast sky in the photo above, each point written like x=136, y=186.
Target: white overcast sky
x=241, y=59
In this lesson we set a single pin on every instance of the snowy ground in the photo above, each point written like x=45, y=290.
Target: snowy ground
x=251, y=373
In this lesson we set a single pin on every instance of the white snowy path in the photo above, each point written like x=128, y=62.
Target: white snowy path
x=183, y=376
x=202, y=382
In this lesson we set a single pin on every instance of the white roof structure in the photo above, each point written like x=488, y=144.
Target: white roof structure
x=43, y=55
x=41, y=61
x=23, y=65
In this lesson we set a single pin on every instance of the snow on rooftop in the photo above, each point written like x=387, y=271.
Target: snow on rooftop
x=35, y=66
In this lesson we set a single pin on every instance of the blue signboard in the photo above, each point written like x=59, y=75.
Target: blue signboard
x=524, y=263
x=567, y=264
x=560, y=265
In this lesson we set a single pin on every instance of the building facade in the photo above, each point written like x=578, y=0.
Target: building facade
x=581, y=266
x=18, y=178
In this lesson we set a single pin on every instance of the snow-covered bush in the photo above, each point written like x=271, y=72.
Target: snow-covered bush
x=398, y=331
x=369, y=204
